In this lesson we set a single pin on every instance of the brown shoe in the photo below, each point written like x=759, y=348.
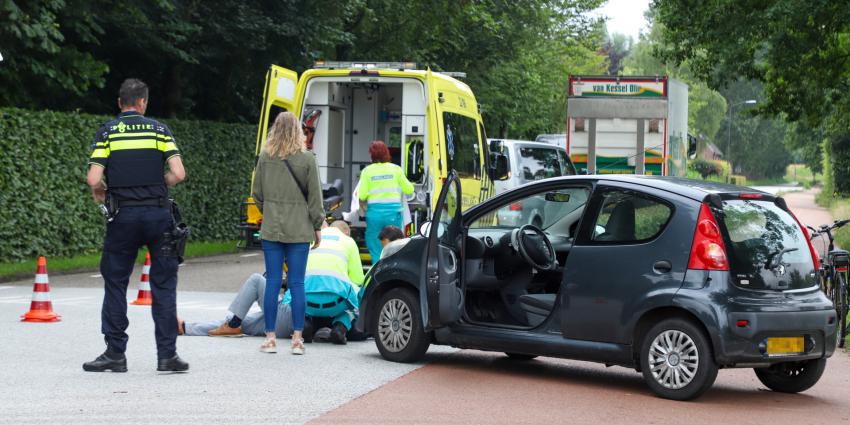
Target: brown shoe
x=226, y=330
x=180, y=324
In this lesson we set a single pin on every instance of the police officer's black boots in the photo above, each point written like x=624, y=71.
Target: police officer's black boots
x=174, y=364
x=115, y=362
x=338, y=334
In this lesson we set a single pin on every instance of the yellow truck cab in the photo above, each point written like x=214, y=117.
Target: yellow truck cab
x=429, y=120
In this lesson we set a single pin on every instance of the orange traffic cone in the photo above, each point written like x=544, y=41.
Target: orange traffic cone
x=144, y=296
x=41, y=308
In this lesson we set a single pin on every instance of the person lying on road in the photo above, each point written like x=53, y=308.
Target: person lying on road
x=334, y=274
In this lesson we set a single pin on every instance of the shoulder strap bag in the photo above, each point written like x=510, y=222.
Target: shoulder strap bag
x=297, y=182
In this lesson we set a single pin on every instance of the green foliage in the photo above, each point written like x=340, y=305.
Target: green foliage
x=706, y=107
x=841, y=163
x=207, y=59
x=21, y=269
x=705, y=168
x=798, y=53
x=38, y=63
x=47, y=206
x=799, y=49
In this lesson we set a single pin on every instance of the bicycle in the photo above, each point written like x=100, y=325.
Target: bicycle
x=834, y=277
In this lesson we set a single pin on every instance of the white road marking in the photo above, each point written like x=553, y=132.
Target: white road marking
x=249, y=255
x=95, y=275
x=64, y=300
x=6, y=287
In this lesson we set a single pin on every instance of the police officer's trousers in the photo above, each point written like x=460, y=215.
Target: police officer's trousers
x=133, y=228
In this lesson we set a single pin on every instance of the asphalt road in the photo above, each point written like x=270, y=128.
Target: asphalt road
x=231, y=382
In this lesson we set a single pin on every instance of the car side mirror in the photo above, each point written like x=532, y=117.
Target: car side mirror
x=425, y=229
x=499, y=170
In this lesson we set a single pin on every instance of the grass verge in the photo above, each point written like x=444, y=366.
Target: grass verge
x=839, y=208
x=91, y=261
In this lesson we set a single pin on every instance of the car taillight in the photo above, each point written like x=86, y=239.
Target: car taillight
x=750, y=196
x=516, y=206
x=707, y=251
x=812, y=250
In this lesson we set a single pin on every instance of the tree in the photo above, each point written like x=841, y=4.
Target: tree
x=616, y=49
x=800, y=51
x=706, y=107
x=38, y=64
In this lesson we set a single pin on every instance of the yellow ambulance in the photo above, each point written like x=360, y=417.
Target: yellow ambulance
x=429, y=120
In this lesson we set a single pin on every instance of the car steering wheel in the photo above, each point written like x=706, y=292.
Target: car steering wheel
x=534, y=247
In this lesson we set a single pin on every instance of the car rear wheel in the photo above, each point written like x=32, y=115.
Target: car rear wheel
x=398, y=329
x=792, y=377
x=676, y=360
x=520, y=356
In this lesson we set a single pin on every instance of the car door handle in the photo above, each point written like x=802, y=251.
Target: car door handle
x=662, y=266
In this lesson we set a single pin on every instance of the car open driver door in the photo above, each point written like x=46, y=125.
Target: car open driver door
x=443, y=295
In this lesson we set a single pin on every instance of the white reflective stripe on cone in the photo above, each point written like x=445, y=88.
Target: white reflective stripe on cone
x=41, y=296
x=41, y=278
x=144, y=286
x=146, y=269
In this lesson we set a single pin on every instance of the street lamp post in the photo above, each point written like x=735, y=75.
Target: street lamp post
x=729, y=140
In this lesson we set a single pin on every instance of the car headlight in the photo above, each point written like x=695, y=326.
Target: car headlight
x=393, y=247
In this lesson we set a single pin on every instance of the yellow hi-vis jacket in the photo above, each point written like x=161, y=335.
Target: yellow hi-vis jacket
x=383, y=183
x=337, y=256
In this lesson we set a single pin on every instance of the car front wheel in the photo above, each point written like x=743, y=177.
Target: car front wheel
x=792, y=377
x=398, y=329
x=676, y=360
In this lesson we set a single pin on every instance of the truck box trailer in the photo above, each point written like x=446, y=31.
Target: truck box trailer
x=628, y=125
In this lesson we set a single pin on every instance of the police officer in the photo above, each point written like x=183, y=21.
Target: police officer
x=381, y=187
x=130, y=152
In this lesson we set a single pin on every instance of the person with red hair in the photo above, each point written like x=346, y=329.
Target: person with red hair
x=382, y=185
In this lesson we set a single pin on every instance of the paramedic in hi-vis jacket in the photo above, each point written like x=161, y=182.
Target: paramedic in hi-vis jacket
x=382, y=185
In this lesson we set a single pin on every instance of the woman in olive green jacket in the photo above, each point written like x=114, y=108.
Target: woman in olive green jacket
x=288, y=193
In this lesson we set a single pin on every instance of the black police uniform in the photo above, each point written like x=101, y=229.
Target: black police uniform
x=134, y=150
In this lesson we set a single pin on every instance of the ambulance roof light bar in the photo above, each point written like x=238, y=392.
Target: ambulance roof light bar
x=453, y=74
x=364, y=65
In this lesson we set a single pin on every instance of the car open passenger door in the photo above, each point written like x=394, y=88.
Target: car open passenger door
x=441, y=292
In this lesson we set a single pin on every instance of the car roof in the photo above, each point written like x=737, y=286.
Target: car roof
x=690, y=188
x=529, y=143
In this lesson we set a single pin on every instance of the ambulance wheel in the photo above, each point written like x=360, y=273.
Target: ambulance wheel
x=398, y=329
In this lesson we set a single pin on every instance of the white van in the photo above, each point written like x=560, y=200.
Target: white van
x=527, y=162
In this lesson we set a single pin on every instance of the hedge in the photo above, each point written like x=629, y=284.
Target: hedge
x=46, y=207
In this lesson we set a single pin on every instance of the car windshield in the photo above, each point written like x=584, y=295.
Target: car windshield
x=538, y=163
x=542, y=209
x=767, y=249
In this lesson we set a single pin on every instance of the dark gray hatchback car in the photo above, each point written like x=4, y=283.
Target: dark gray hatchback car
x=675, y=278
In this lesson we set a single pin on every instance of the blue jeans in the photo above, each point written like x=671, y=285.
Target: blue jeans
x=295, y=256
x=379, y=216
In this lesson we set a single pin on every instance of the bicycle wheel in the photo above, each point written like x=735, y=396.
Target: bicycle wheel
x=841, y=305
x=829, y=288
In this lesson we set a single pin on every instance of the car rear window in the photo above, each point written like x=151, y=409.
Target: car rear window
x=538, y=163
x=766, y=248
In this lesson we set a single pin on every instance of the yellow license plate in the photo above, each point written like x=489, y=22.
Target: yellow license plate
x=785, y=345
